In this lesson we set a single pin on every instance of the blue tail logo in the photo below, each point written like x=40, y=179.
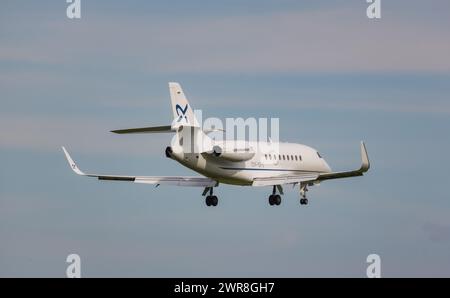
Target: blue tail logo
x=179, y=110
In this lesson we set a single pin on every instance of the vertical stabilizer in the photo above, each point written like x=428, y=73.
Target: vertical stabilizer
x=183, y=112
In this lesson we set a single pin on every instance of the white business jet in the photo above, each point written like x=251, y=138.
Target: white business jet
x=231, y=162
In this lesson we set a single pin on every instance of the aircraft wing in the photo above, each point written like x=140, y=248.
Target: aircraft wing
x=365, y=165
x=287, y=179
x=163, y=180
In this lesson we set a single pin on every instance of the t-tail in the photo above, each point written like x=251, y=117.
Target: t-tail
x=183, y=115
x=186, y=126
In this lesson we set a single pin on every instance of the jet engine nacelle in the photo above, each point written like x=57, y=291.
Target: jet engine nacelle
x=169, y=152
x=236, y=154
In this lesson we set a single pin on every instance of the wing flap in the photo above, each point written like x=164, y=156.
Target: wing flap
x=178, y=181
x=288, y=179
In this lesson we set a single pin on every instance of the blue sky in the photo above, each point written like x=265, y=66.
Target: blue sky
x=332, y=76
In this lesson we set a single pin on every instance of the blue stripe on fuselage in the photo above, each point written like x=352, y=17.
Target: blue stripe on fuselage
x=262, y=169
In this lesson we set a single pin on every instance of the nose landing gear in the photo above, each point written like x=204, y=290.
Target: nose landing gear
x=303, y=190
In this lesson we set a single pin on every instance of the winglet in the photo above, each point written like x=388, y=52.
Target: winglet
x=72, y=164
x=365, y=164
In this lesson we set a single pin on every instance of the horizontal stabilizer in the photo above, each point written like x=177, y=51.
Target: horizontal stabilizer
x=151, y=129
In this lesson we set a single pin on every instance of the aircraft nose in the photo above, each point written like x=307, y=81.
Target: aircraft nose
x=326, y=166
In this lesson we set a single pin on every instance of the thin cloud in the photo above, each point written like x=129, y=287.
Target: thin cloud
x=48, y=134
x=437, y=232
x=299, y=41
x=428, y=106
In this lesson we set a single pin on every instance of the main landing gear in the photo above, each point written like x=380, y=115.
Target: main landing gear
x=210, y=200
x=303, y=190
x=274, y=198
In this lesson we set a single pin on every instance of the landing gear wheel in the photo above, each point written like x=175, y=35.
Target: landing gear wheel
x=277, y=199
x=274, y=200
x=211, y=201
x=214, y=200
x=304, y=201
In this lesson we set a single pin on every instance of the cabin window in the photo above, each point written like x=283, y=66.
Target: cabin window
x=292, y=157
x=296, y=157
x=270, y=156
x=265, y=156
x=284, y=157
x=279, y=156
x=287, y=157
x=300, y=157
